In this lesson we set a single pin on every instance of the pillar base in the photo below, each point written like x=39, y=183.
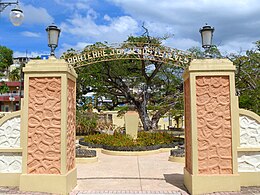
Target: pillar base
x=249, y=178
x=60, y=184
x=200, y=184
x=9, y=179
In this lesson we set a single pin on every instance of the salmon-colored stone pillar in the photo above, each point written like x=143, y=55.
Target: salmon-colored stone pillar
x=211, y=127
x=49, y=118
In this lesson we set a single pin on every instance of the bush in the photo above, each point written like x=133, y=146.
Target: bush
x=86, y=122
x=162, y=139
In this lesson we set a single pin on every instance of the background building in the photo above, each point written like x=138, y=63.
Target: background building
x=10, y=100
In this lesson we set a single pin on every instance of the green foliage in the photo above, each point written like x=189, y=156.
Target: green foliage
x=141, y=83
x=6, y=58
x=248, y=79
x=86, y=122
x=213, y=52
x=257, y=44
x=196, y=51
x=144, y=139
x=14, y=75
x=3, y=88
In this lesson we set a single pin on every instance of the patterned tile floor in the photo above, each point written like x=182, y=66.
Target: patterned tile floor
x=15, y=191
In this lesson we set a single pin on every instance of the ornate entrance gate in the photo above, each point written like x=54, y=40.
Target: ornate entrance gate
x=217, y=157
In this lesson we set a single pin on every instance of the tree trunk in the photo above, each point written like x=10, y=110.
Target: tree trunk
x=143, y=114
x=155, y=121
x=156, y=117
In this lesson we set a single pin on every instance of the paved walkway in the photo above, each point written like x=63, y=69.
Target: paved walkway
x=151, y=174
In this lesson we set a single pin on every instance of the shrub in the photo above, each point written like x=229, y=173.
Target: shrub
x=86, y=122
x=122, y=140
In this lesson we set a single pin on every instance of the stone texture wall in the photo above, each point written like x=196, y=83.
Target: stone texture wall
x=10, y=162
x=44, y=126
x=214, y=125
x=249, y=162
x=188, y=152
x=249, y=132
x=10, y=133
x=71, y=125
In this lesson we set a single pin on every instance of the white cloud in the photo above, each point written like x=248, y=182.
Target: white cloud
x=107, y=17
x=88, y=21
x=30, y=34
x=77, y=46
x=181, y=43
x=72, y=4
x=236, y=46
x=84, y=27
x=232, y=20
x=36, y=15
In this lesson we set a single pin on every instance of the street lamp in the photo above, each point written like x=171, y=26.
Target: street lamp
x=16, y=14
x=53, y=37
x=206, y=37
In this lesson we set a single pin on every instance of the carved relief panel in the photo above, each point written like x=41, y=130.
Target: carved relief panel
x=214, y=125
x=44, y=126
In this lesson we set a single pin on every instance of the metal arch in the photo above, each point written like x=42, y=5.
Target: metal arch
x=125, y=51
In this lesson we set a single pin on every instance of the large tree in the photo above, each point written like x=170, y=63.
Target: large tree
x=143, y=84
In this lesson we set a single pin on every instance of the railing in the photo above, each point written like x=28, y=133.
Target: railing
x=11, y=94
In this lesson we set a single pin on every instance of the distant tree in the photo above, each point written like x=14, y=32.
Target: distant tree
x=248, y=78
x=3, y=87
x=196, y=51
x=6, y=59
x=212, y=52
x=14, y=75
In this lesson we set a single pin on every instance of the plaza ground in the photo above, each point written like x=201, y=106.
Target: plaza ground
x=150, y=174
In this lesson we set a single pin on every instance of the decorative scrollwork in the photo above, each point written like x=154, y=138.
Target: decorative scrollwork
x=137, y=51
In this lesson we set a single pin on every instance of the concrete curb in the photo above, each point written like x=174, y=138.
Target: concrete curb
x=134, y=153
x=86, y=160
x=177, y=159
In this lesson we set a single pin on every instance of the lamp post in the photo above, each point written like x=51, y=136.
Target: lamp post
x=206, y=37
x=16, y=14
x=12, y=99
x=53, y=37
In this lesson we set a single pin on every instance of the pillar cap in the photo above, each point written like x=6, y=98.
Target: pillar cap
x=211, y=65
x=51, y=65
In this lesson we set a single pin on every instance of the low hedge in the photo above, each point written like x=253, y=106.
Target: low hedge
x=122, y=142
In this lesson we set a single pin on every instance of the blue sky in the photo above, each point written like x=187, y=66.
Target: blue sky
x=82, y=22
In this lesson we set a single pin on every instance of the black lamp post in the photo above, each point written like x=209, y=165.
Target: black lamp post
x=206, y=37
x=16, y=14
x=53, y=37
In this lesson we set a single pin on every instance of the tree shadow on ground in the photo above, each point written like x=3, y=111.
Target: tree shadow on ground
x=176, y=180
